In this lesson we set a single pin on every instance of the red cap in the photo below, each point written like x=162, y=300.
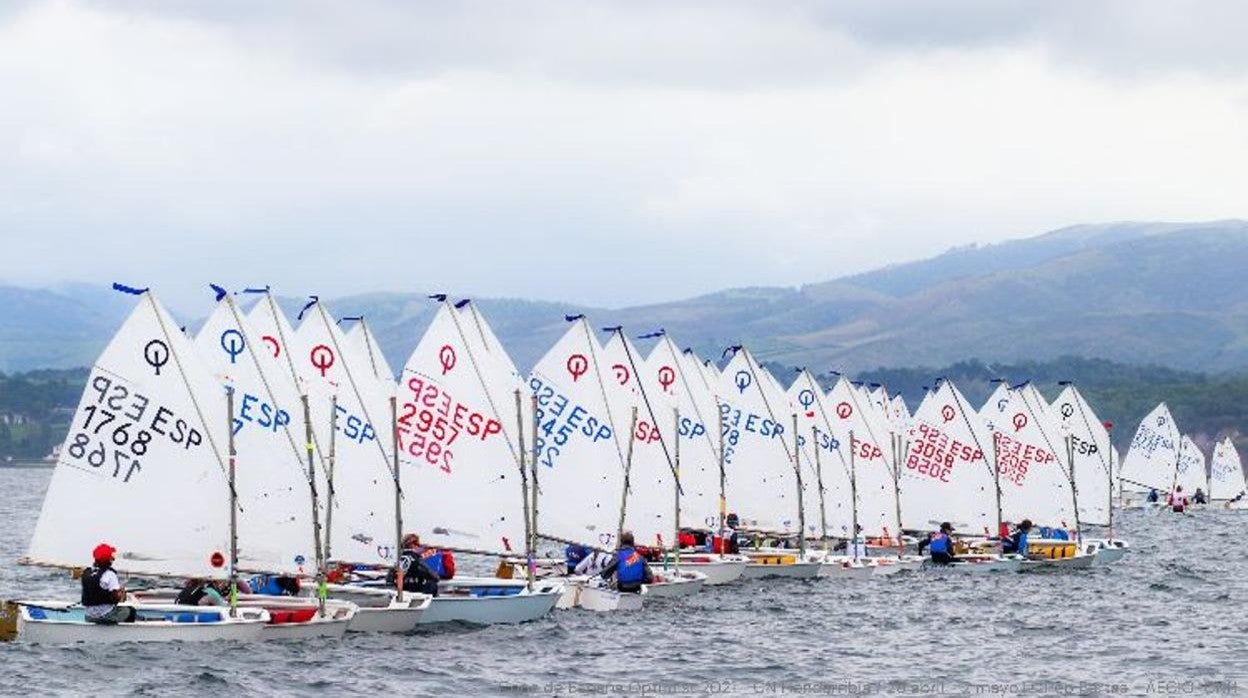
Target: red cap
x=103, y=552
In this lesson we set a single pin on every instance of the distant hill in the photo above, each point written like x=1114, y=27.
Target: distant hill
x=1135, y=293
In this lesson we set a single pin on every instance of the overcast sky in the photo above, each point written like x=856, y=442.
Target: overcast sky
x=610, y=153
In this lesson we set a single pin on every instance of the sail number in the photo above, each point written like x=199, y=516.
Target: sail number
x=1015, y=458
x=1147, y=441
x=432, y=419
x=120, y=427
x=933, y=453
x=734, y=422
x=559, y=420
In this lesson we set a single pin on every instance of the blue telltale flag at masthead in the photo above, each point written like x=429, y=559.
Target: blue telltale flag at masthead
x=134, y=291
x=651, y=335
x=312, y=300
x=350, y=318
x=439, y=297
x=573, y=318
x=219, y=291
x=264, y=289
x=460, y=305
x=730, y=351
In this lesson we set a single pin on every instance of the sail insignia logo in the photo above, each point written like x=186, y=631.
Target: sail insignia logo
x=742, y=380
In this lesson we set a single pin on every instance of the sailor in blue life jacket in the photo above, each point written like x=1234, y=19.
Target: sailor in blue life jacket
x=102, y=590
x=1153, y=496
x=417, y=574
x=1017, y=543
x=574, y=553
x=940, y=544
x=628, y=566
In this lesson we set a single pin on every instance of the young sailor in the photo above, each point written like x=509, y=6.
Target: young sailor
x=1177, y=500
x=1017, y=543
x=414, y=567
x=1199, y=497
x=940, y=544
x=1153, y=497
x=102, y=590
x=629, y=567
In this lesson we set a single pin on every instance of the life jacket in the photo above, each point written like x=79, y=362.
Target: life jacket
x=573, y=554
x=687, y=539
x=433, y=558
x=448, y=564
x=272, y=585
x=1021, y=539
x=630, y=567
x=941, y=543
x=92, y=593
x=191, y=595
x=1060, y=534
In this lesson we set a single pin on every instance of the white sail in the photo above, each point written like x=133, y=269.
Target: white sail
x=1153, y=457
x=480, y=334
x=1191, y=474
x=829, y=507
x=460, y=446
x=651, y=509
x=143, y=466
x=946, y=474
x=1226, y=474
x=679, y=387
x=898, y=413
x=1093, y=462
x=349, y=407
x=581, y=442
x=1030, y=455
x=362, y=343
x=758, y=448
x=873, y=456
x=275, y=529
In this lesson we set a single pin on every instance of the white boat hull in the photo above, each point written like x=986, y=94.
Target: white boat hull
x=470, y=600
x=979, y=564
x=338, y=614
x=1107, y=551
x=795, y=570
x=719, y=569
x=593, y=597
x=55, y=623
x=670, y=584
x=888, y=566
x=379, y=610
x=846, y=568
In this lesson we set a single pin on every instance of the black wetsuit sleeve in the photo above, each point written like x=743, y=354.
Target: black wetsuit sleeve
x=923, y=543
x=647, y=576
x=610, y=569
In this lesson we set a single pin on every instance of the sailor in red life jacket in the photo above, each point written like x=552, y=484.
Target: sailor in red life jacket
x=1177, y=500
x=629, y=567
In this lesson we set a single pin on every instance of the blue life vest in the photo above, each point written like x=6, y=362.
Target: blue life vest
x=1022, y=543
x=267, y=585
x=573, y=554
x=1060, y=534
x=433, y=558
x=940, y=544
x=630, y=566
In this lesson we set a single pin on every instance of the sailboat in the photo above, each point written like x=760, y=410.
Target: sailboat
x=1093, y=459
x=675, y=378
x=460, y=418
x=584, y=452
x=1226, y=476
x=652, y=501
x=344, y=407
x=279, y=517
x=1190, y=472
x=1035, y=476
x=763, y=474
x=149, y=430
x=835, y=495
x=1152, y=459
x=949, y=477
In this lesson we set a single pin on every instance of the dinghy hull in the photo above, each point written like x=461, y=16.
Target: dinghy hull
x=489, y=601
x=63, y=624
x=670, y=584
x=718, y=569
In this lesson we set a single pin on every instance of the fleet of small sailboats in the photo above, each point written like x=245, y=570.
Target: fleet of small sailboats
x=256, y=447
